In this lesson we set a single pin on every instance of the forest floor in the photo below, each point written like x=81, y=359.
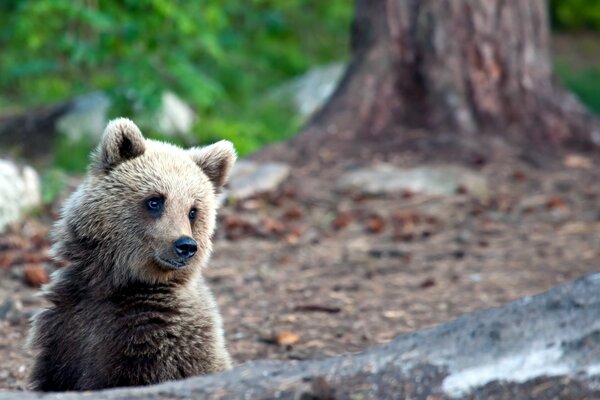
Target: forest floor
x=308, y=272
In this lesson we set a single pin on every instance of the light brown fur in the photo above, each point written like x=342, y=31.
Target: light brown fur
x=122, y=313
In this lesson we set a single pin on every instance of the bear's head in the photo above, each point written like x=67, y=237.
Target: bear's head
x=146, y=211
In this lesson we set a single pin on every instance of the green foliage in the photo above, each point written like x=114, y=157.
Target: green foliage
x=575, y=14
x=53, y=183
x=221, y=56
x=73, y=155
x=584, y=83
x=218, y=55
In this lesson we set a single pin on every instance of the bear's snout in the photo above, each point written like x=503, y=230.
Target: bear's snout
x=185, y=247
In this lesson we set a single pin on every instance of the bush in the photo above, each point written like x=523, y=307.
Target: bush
x=575, y=14
x=219, y=56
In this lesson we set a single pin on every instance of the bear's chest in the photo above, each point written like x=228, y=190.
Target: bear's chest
x=155, y=330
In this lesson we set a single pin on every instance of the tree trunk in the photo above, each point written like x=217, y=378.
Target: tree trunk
x=461, y=67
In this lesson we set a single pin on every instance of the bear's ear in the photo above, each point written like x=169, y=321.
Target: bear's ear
x=215, y=161
x=121, y=141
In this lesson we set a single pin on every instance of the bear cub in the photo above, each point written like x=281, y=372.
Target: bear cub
x=131, y=307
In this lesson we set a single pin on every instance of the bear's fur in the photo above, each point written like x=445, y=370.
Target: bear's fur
x=129, y=308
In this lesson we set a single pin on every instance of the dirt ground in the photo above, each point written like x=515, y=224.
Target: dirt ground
x=308, y=272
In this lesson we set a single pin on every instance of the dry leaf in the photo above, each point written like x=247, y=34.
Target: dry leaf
x=273, y=226
x=394, y=314
x=35, y=275
x=287, y=338
x=294, y=213
x=10, y=258
x=556, y=203
x=577, y=161
x=375, y=224
x=341, y=220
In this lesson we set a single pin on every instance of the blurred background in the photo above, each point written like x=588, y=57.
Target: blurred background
x=225, y=68
x=248, y=71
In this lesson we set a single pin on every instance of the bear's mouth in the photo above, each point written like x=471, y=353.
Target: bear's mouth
x=174, y=264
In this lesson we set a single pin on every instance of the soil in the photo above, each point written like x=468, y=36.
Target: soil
x=308, y=272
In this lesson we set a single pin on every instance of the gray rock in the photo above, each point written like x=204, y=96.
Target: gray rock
x=86, y=118
x=19, y=192
x=435, y=180
x=310, y=91
x=249, y=178
x=6, y=308
x=541, y=347
x=175, y=117
x=12, y=310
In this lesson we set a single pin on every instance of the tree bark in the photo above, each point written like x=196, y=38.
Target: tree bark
x=461, y=67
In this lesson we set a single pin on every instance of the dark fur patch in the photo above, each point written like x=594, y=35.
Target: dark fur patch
x=136, y=335
x=126, y=151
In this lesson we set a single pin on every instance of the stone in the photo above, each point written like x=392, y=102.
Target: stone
x=249, y=178
x=19, y=192
x=86, y=118
x=175, y=117
x=6, y=308
x=541, y=347
x=309, y=92
x=433, y=180
x=11, y=310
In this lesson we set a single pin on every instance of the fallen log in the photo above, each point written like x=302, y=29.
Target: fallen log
x=541, y=347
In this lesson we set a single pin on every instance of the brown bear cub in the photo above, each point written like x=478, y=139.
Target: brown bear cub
x=131, y=307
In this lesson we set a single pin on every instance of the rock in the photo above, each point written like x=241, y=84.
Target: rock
x=435, y=180
x=86, y=118
x=541, y=347
x=175, y=117
x=6, y=308
x=311, y=90
x=249, y=178
x=19, y=192
x=11, y=310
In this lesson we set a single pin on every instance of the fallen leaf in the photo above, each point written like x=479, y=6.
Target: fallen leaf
x=341, y=220
x=407, y=218
x=10, y=258
x=35, y=275
x=519, y=176
x=294, y=234
x=394, y=314
x=294, y=213
x=231, y=222
x=273, y=226
x=287, y=338
x=577, y=161
x=556, y=203
x=36, y=257
x=236, y=228
x=375, y=224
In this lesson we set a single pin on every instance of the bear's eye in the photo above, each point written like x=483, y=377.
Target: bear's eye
x=155, y=205
x=192, y=214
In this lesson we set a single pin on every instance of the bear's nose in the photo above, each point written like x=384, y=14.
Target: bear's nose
x=185, y=247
